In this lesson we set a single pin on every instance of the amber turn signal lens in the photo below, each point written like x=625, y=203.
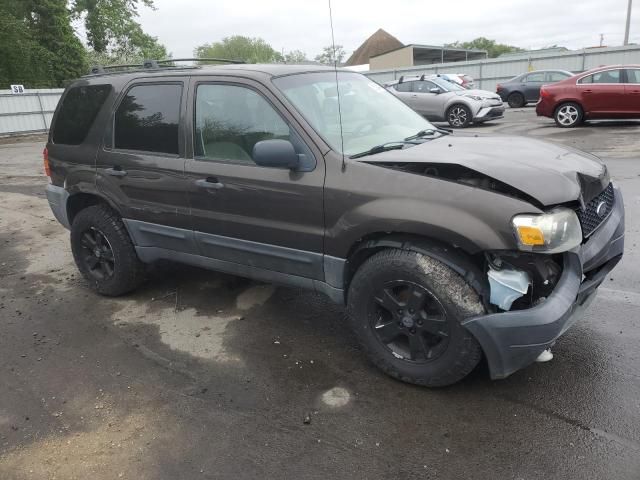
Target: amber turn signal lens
x=530, y=235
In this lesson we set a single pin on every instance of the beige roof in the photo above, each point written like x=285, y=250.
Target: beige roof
x=377, y=44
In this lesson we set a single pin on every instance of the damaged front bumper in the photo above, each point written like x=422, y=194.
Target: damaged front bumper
x=514, y=339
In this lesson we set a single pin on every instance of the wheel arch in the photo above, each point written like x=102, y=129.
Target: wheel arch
x=466, y=265
x=568, y=100
x=80, y=200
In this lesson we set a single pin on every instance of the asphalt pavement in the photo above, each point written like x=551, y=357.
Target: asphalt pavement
x=201, y=375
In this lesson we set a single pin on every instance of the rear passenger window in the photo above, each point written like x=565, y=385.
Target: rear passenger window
x=633, y=76
x=230, y=120
x=78, y=110
x=424, y=86
x=556, y=76
x=609, y=76
x=403, y=87
x=147, y=119
x=535, y=77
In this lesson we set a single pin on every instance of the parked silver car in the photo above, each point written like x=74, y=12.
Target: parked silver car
x=440, y=100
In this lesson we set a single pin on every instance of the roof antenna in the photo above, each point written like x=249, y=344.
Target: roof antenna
x=335, y=66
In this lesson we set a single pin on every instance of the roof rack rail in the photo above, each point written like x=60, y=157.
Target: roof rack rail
x=202, y=59
x=155, y=64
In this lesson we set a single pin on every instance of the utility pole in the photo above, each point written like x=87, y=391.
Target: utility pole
x=601, y=39
x=626, y=30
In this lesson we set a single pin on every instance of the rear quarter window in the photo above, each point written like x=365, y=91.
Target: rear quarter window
x=78, y=110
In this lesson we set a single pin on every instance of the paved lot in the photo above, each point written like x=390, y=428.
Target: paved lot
x=200, y=375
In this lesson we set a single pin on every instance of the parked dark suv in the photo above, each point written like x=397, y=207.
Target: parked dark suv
x=443, y=247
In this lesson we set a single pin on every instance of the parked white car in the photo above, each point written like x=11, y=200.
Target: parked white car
x=441, y=100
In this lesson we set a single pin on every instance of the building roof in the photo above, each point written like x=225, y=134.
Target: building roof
x=378, y=43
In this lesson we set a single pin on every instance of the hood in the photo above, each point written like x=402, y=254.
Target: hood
x=549, y=173
x=480, y=93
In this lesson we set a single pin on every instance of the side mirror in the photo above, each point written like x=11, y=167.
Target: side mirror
x=435, y=90
x=275, y=153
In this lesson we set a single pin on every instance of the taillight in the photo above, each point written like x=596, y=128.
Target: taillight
x=45, y=157
x=499, y=88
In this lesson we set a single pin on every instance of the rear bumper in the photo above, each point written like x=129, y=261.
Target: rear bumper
x=512, y=340
x=544, y=109
x=489, y=113
x=57, y=197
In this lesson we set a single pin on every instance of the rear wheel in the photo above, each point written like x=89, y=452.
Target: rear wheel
x=406, y=309
x=516, y=100
x=568, y=115
x=459, y=116
x=104, y=252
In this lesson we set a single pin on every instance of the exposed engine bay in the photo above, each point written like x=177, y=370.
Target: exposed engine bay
x=507, y=269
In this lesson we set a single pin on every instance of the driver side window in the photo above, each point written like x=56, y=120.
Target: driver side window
x=230, y=120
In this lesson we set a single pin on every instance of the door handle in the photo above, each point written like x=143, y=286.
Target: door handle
x=210, y=183
x=588, y=91
x=115, y=172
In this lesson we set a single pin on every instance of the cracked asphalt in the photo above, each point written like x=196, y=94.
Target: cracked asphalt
x=203, y=375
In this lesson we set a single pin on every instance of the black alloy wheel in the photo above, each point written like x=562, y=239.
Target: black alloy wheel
x=411, y=322
x=97, y=254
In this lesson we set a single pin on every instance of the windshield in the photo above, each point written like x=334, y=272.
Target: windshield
x=370, y=114
x=449, y=85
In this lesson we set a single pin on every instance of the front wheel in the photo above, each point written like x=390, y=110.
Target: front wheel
x=568, y=115
x=459, y=116
x=406, y=309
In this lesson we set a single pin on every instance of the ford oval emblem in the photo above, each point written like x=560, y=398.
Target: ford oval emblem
x=601, y=209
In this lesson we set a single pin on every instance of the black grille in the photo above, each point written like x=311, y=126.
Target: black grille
x=590, y=218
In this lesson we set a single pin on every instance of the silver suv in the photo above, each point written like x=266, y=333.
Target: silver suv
x=439, y=100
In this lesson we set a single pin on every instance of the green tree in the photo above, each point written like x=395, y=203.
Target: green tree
x=22, y=59
x=327, y=56
x=295, y=56
x=113, y=35
x=40, y=30
x=493, y=48
x=238, y=47
x=108, y=21
x=136, y=48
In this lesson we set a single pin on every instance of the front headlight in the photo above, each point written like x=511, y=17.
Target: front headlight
x=556, y=231
x=475, y=97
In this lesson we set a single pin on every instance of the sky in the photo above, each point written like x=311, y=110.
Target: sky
x=181, y=25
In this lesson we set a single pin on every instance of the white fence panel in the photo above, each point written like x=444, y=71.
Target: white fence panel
x=488, y=73
x=28, y=112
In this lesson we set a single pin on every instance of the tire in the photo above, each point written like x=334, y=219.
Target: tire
x=459, y=115
x=568, y=115
x=432, y=307
x=104, y=252
x=516, y=100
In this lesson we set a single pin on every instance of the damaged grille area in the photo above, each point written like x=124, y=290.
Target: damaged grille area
x=596, y=211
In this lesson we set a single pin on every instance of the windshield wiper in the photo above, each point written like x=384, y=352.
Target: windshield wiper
x=384, y=147
x=429, y=132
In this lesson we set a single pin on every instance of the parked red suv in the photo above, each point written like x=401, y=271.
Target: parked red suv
x=602, y=93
